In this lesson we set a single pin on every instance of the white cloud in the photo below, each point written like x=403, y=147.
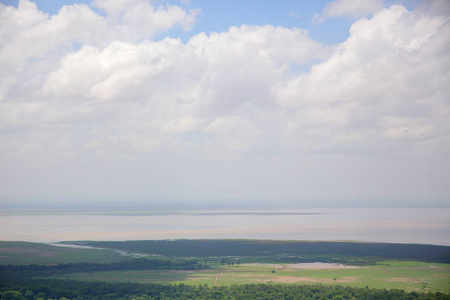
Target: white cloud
x=349, y=9
x=133, y=20
x=406, y=127
x=25, y=28
x=242, y=79
x=106, y=91
x=390, y=68
x=23, y=41
x=294, y=15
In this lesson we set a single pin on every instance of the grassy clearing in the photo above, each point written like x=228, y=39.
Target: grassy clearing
x=410, y=276
x=416, y=277
x=410, y=264
x=141, y=276
x=147, y=276
x=24, y=253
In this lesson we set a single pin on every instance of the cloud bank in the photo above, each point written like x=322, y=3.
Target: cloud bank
x=91, y=104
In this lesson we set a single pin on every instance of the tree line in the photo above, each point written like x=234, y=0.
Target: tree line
x=42, y=289
x=21, y=271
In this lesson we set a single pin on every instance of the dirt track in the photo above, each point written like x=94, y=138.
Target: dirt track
x=216, y=279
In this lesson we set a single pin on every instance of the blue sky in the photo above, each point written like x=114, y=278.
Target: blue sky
x=220, y=15
x=225, y=102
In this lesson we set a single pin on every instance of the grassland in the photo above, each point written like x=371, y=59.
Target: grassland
x=409, y=276
x=24, y=253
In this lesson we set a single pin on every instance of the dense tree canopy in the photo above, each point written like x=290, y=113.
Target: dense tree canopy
x=60, y=289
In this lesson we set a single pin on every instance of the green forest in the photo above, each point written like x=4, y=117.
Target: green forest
x=300, y=251
x=62, y=290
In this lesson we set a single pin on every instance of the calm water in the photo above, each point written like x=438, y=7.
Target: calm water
x=403, y=225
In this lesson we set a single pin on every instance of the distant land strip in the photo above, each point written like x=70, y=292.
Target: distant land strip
x=252, y=213
x=295, y=250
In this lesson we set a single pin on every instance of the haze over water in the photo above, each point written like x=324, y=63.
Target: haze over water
x=396, y=225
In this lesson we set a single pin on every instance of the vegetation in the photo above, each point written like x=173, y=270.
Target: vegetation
x=14, y=271
x=415, y=277
x=59, y=289
x=212, y=276
x=25, y=253
x=288, y=251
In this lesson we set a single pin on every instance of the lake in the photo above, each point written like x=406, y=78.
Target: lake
x=399, y=225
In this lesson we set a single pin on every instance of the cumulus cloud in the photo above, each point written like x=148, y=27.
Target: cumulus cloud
x=383, y=74
x=25, y=28
x=82, y=86
x=349, y=9
x=133, y=20
x=243, y=78
x=169, y=87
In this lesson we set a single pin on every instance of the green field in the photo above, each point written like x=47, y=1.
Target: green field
x=409, y=276
x=24, y=253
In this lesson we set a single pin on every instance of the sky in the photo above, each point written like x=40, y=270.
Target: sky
x=225, y=103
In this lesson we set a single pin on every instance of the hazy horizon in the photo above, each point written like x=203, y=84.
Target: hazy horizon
x=174, y=205
x=392, y=225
